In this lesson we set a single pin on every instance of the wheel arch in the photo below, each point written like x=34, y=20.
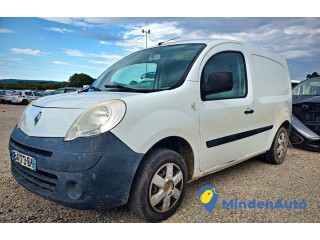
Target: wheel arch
x=174, y=143
x=180, y=146
x=287, y=125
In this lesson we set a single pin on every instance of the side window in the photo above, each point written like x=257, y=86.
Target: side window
x=58, y=91
x=28, y=93
x=227, y=62
x=70, y=90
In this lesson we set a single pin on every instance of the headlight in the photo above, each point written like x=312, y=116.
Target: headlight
x=98, y=119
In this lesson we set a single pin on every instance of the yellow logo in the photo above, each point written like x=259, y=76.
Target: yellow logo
x=208, y=196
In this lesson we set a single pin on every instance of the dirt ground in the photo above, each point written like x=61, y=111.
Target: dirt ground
x=297, y=178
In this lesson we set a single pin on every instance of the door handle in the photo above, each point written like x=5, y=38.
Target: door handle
x=248, y=111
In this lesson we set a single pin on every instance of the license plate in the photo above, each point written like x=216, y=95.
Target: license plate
x=24, y=160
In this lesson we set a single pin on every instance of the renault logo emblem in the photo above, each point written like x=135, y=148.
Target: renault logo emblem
x=37, y=118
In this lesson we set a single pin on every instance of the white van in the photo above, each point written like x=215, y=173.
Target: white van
x=152, y=122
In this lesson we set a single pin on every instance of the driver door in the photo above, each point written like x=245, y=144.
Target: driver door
x=226, y=118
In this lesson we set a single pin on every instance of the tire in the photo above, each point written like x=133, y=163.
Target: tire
x=153, y=179
x=24, y=102
x=278, y=150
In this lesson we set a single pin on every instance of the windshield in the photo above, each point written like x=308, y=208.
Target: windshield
x=309, y=87
x=150, y=70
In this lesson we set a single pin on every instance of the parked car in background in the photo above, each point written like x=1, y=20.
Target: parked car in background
x=294, y=83
x=25, y=97
x=47, y=92
x=65, y=90
x=8, y=96
x=2, y=94
x=305, y=131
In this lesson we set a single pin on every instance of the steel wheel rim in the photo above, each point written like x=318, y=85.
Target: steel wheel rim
x=165, y=187
x=281, y=145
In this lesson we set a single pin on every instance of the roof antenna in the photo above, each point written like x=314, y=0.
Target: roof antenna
x=160, y=43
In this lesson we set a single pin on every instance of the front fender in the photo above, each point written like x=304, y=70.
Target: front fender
x=154, y=116
x=153, y=127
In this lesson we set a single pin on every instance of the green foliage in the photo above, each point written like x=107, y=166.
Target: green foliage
x=76, y=80
x=80, y=79
x=313, y=75
x=64, y=84
x=32, y=86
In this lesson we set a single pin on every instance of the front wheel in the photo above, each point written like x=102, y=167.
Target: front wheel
x=160, y=185
x=278, y=150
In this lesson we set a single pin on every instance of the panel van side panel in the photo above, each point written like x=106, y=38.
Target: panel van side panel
x=273, y=96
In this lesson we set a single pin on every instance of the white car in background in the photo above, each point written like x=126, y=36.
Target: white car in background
x=2, y=95
x=8, y=96
x=25, y=97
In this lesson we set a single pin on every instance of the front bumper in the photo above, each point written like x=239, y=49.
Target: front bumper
x=86, y=173
x=301, y=136
x=298, y=140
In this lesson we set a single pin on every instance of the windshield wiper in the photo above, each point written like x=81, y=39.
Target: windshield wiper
x=120, y=87
x=141, y=90
x=94, y=88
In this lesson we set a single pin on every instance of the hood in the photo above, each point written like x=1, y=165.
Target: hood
x=53, y=116
x=81, y=100
x=305, y=99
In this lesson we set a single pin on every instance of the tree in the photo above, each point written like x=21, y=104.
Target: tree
x=313, y=75
x=80, y=79
x=64, y=84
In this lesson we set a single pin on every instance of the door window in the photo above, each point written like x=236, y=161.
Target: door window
x=226, y=62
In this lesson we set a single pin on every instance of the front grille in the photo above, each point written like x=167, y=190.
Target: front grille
x=295, y=138
x=32, y=149
x=309, y=115
x=42, y=181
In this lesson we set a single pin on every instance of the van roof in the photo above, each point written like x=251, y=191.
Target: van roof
x=207, y=41
x=253, y=49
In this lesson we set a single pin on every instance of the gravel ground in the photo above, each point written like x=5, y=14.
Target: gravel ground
x=297, y=178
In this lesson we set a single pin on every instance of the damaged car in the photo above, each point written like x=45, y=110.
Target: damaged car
x=305, y=129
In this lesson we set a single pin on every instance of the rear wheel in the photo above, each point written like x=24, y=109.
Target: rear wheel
x=24, y=102
x=278, y=150
x=160, y=185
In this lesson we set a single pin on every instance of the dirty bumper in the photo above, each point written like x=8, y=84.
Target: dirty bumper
x=302, y=136
x=86, y=173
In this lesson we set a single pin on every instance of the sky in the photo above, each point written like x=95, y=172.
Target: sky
x=56, y=48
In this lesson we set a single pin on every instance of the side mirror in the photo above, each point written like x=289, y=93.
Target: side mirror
x=218, y=82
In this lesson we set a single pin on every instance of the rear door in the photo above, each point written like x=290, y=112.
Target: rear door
x=226, y=119
x=29, y=96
